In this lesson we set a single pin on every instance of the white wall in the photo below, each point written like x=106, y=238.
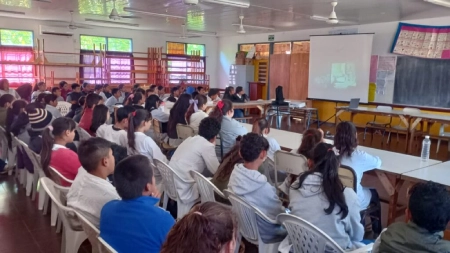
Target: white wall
x=382, y=43
x=141, y=41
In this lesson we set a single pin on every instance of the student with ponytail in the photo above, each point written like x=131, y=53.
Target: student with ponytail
x=319, y=197
x=208, y=227
x=137, y=100
x=177, y=116
x=261, y=126
x=54, y=151
x=100, y=116
x=86, y=120
x=196, y=111
x=230, y=128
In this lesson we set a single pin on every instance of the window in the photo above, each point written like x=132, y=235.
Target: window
x=118, y=52
x=16, y=46
x=183, y=68
x=282, y=48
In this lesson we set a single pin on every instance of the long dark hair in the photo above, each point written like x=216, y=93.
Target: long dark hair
x=221, y=109
x=259, y=125
x=59, y=127
x=310, y=139
x=25, y=91
x=152, y=103
x=92, y=100
x=177, y=115
x=229, y=161
x=99, y=117
x=326, y=162
x=227, y=94
x=208, y=227
x=345, y=138
x=200, y=100
x=135, y=98
x=11, y=114
x=135, y=119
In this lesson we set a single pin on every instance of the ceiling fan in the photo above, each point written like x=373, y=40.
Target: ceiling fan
x=332, y=18
x=241, y=25
x=114, y=15
x=71, y=25
x=184, y=35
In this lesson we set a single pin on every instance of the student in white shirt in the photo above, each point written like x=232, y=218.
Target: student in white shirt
x=4, y=89
x=196, y=153
x=152, y=105
x=117, y=133
x=51, y=101
x=346, y=141
x=261, y=127
x=100, y=117
x=196, y=111
x=57, y=92
x=214, y=95
x=114, y=99
x=41, y=88
x=91, y=190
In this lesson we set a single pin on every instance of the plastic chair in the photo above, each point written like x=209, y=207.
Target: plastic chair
x=84, y=135
x=4, y=144
x=184, y=131
x=73, y=234
x=170, y=190
x=157, y=128
x=267, y=168
x=32, y=178
x=248, y=226
x=305, y=237
x=104, y=247
x=289, y=163
x=206, y=189
x=91, y=231
x=348, y=177
x=57, y=178
x=63, y=107
x=21, y=173
x=374, y=124
x=442, y=135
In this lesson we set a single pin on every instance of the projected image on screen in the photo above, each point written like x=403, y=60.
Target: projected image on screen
x=343, y=75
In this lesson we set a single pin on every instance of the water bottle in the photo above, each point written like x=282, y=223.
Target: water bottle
x=426, y=143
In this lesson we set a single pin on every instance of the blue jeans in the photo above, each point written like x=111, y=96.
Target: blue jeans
x=238, y=113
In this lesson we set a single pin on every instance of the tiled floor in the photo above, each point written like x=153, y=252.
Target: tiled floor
x=23, y=229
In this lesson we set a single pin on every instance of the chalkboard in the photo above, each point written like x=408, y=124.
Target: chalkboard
x=422, y=82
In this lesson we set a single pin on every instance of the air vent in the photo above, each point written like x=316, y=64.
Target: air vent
x=56, y=31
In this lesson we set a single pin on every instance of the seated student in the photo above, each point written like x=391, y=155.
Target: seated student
x=41, y=98
x=114, y=99
x=117, y=133
x=196, y=111
x=230, y=129
x=208, y=227
x=91, y=190
x=201, y=90
x=4, y=89
x=123, y=91
x=50, y=105
x=76, y=111
x=57, y=92
x=64, y=88
x=319, y=197
x=39, y=120
x=54, y=151
x=40, y=88
x=248, y=183
x=152, y=105
x=213, y=95
x=240, y=96
x=229, y=93
x=86, y=89
x=261, y=127
x=5, y=103
x=346, y=142
x=74, y=95
x=177, y=116
x=174, y=94
x=17, y=121
x=160, y=92
x=98, y=88
x=100, y=117
x=106, y=93
x=427, y=211
x=223, y=173
x=196, y=153
x=86, y=120
x=136, y=223
x=137, y=100
x=25, y=90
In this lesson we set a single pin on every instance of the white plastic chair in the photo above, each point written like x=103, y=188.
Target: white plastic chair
x=91, y=231
x=63, y=107
x=305, y=237
x=84, y=135
x=444, y=134
x=57, y=178
x=31, y=178
x=184, y=131
x=169, y=177
x=206, y=189
x=104, y=247
x=268, y=166
x=21, y=173
x=248, y=226
x=73, y=234
x=401, y=127
x=289, y=163
x=4, y=144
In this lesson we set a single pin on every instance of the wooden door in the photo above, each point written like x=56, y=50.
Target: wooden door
x=279, y=73
x=299, y=73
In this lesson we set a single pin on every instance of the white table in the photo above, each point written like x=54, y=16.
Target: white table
x=393, y=164
x=439, y=173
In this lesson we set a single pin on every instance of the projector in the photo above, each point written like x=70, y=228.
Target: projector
x=191, y=2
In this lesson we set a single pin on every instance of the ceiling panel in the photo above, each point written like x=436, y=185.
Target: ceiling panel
x=282, y=15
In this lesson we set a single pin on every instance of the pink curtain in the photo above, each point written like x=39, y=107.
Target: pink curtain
x=94, y=75
x=17, y=74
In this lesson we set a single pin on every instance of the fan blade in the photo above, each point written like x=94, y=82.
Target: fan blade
x=347, y=22
x=135, y=17
x=319, y=18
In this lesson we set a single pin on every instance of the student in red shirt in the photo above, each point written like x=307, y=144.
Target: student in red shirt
x=54, y=152
x=86, y=120
x=64, y=87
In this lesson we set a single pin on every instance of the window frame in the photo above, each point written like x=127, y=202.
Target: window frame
x=107, y=46
x=22, y=30
x=172, y=77
x=185, y=47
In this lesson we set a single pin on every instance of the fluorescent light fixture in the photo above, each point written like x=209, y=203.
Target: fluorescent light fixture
x=256, y=27
x=12, y=12
x=201, y=32
x=240, y=4
x=110, y=22
x=152, y=13
x=439, y=2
